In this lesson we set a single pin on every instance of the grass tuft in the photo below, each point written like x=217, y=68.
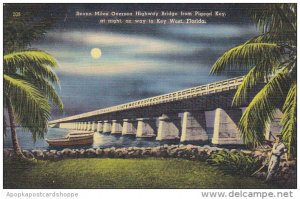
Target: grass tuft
x=122, y=173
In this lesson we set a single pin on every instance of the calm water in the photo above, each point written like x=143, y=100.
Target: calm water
x=100, y=140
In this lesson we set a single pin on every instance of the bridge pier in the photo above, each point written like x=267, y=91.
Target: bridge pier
x=225, y=127
x=63, y=125
x=99, y=126
x=94, y=126
x=89, y=126
x=274, y=128
x=86, y=126
x=66, y=125
x=168, y=128
x=129, y=127
x=145, y=128
x=116, y=127
x=106, y=127
x=193, y=127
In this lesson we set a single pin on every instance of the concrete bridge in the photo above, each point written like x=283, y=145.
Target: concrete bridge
x=177, y=115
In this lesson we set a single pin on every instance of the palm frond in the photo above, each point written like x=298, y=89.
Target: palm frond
x=289, y=119
x=37, y=62
x=247, y=55
x=257, y=75
x=31, y=108
x=45, y=87
x=262, y=108
x=275, y=18
x=273, y=37
x=250, y=80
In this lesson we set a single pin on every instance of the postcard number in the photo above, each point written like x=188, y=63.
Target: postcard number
x=16, y=14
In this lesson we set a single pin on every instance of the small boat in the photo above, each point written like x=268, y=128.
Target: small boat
x=73, y=139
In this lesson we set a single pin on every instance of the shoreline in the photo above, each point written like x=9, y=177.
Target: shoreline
x=188, y=152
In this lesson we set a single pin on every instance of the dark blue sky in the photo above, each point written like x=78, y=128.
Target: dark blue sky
x=137, y=61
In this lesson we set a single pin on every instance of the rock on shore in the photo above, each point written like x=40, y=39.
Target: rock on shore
x=190, y=152
x=173, y=151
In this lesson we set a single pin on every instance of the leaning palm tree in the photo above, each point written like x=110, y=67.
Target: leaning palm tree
x=29, y=91
x=271, y=58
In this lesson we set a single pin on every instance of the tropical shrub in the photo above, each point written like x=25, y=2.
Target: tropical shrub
x=235, y=163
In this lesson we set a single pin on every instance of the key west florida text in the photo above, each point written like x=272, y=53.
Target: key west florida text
x=150, y=96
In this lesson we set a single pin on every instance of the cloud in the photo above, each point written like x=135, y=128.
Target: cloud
x=132, y=67
x=108, y=69
x=130, y=43
x=211, y=31
x=129, y=53
x=200, y=56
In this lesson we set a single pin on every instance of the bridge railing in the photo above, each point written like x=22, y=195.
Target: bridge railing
x=206, y=89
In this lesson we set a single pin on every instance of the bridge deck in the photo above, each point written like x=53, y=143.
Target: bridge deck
x=207, y=89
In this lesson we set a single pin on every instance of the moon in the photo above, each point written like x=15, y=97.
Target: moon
x=96, y=53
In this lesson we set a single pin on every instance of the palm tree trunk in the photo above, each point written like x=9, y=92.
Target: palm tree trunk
x=14, y=137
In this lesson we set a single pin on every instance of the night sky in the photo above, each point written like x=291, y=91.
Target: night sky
x=137, y=61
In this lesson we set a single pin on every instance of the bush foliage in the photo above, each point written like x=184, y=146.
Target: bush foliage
x=235, y=163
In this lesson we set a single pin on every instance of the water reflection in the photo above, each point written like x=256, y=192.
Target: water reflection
x=100, y=140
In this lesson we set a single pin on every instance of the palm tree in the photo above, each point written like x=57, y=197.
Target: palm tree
x=269, y=57
x=29, y=90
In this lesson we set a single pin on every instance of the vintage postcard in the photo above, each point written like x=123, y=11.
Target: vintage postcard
x=150, y=96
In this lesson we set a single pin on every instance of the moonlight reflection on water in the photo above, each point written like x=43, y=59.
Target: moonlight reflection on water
x=100, y=140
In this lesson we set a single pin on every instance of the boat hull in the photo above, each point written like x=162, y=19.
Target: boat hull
x=73, y=140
